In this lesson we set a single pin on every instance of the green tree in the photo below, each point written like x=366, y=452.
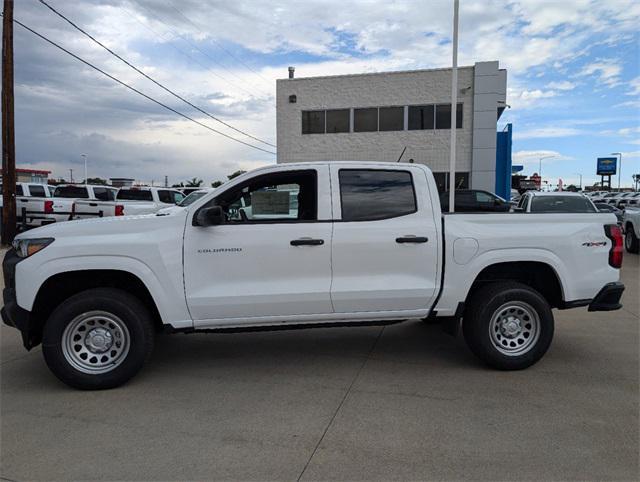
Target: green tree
x=193, y=182
x=181, y=184
x=216, y=184
x=235, y=174
x=96, y=180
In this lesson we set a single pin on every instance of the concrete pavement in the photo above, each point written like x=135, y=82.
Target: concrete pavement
x=400, y=402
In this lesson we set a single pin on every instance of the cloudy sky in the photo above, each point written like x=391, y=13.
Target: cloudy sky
x=573, y=76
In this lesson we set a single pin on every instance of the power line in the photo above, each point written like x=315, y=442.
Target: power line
x=137, y=91
x=217, y=43
x=156, y=16
x=43, y=2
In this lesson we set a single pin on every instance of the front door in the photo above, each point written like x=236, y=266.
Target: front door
x=385, y=244
x=272, y=257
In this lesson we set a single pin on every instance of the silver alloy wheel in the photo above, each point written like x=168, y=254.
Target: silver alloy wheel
x=95, y=342
x=514, y=328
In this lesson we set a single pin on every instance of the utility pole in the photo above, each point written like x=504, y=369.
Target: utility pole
x=8, y=130
x=84, y=156
x=454, y=108
x=71, y=175
x=166, y=181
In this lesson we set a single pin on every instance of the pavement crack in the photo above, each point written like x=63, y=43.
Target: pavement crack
x=344, y=398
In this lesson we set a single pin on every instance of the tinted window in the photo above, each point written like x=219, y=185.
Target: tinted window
x=337, y=121
x=165, y=196
x=313, y=122
x=421, y=117
x=283, y=196
x=78, y=192
x=365, y=120
x=485, y=197
x=19, y=190
x=605, y=207
x=561, y=204
x=36, y=191
x=134, y=195
x=443, y=116
x=104, y=193
x=368, y=195
x=391, y=118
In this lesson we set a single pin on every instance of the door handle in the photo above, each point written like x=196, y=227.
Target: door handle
x=306, y=242
x=411, y=239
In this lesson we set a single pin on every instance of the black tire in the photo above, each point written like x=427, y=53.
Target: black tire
x=507, y=302
x=631, y=241
x=127, y=310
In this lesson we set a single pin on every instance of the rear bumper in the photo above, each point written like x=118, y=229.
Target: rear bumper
x=608, y=298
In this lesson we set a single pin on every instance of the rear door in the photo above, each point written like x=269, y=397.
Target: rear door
x=385, y=246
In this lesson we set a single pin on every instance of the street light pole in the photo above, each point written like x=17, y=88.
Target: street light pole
x=619, y=166
x=84, y=156
x=454, y=108
x=540, y=167
x=580, y=179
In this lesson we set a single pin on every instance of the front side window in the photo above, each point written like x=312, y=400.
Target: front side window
x=283, y=196
x=19, y=190
x=365, y=120
x=337, y=121
x=368, y=195
x=313, y=121
x=165, y=196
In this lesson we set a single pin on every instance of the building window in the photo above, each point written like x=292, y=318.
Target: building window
x=369, y=195
x=337, y=121
x=443, y=116
x=442, y=180
x=421, y=117
x=391, y=118
x=365, y=120
x=313, y=121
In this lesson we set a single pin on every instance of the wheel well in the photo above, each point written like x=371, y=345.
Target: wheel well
x=628, y=226
x=64, y=285
x=537, y=275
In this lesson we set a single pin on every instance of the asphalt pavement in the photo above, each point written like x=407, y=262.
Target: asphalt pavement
x=400, y=402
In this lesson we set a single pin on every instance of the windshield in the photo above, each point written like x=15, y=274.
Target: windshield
x=194, y=196
x=561, y=204
x=78, y=192
x=134, y=195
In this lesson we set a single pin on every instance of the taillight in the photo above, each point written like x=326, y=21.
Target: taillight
x=614, y=233
x=119, y=210
x=48, y=207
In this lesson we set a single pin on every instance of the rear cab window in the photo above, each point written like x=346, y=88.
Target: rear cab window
x=370, y=194
x=71, y=192
x=36, y=190
x=134, y=195
x=561, y=204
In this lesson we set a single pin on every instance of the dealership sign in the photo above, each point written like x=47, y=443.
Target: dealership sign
x=607, y=166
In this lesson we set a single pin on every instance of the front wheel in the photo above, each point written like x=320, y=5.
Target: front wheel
x=508, y=325
x=631, y=241
x=98, y=339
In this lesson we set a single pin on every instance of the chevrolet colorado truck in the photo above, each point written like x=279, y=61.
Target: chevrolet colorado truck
x=367, y=243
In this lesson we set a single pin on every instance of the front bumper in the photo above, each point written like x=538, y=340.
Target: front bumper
x=608, y=298
x=12, y=314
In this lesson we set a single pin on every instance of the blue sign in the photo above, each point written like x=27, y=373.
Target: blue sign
x=607, y=166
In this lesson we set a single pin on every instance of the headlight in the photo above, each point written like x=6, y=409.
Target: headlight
x=26, y=247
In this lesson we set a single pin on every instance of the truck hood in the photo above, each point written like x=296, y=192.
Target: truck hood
x=138, y=224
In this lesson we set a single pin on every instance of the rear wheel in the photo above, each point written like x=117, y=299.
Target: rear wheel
x=508, y=325
x=98, y=339
x=631, y=241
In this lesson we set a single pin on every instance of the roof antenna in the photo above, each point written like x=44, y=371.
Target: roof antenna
x=402, y=153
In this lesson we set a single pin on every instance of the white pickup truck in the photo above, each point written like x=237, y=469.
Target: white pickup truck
x=631, y=225
x=129, y=201
x=33, y=204
x=67, y=195
x=368, y=244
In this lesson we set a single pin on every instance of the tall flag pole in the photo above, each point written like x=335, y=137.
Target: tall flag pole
x=454, y=109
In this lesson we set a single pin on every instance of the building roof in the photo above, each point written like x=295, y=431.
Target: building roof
x=390, y=72
x=30, y=171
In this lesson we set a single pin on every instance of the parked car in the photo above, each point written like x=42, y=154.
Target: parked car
x=368, y=244
x=605, y=198
x=608, y=208
x=555, y=202
x=33, y=206
x=130, y=201
x=473, y=200
x=631, y=199
x=631, y=223
x=65, y=197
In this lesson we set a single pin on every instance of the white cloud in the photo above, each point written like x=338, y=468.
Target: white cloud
x=605, y=71
x=635, y=86
x=630, y=155
x=547, y=132
x=519, y=98
x=532, y=160
x=562, y=85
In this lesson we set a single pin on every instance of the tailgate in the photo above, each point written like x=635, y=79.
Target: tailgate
x=84, y=209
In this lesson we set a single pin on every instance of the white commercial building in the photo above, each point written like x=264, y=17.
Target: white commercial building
x=374, y=117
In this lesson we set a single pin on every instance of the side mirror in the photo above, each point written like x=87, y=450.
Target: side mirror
x=212, y=216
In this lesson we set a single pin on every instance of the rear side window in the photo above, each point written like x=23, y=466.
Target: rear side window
x=561, y=204
x=36, y=190
x=134, y=195
x=19, y=191
x=71, y=192
x=368, y=195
